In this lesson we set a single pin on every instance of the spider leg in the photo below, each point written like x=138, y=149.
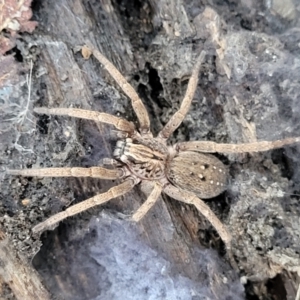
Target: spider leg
x=178, y=117
x=190, y=198
x=94, y=172
x=119, y=123
x=146, y=206
x=211, y=147
x=137, y=103
x=114, y=192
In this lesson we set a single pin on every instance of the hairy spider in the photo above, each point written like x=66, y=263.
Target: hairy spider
x=182, y=171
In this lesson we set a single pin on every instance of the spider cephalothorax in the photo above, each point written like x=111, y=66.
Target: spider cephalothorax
x=183, y=171
x=143, y=161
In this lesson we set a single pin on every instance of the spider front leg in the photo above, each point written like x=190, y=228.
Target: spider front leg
x=212, y=147
x=94, y=172
x=112, y=193
x=137, y=104
x=119, y=123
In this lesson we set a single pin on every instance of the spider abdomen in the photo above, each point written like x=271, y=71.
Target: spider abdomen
x=203, y=174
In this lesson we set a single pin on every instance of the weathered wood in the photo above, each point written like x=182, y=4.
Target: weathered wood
x=160, y=38
x=18, y=274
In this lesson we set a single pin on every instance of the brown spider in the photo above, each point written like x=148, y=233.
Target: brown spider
x=182, y=171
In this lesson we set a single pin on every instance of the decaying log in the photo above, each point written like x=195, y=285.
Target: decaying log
x=15, y=271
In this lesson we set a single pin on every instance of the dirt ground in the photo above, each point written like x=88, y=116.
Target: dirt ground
x=248, y=90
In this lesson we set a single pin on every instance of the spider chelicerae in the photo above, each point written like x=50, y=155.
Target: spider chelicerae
x=183, y=171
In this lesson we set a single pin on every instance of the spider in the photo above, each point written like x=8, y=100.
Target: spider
x=183, y=171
